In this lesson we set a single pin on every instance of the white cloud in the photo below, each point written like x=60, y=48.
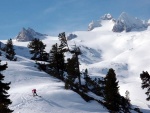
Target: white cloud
x=57, y=5
x=50, y=10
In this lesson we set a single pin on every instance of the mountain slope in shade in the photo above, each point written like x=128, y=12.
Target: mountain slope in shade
x=94, y=24
x=28, y=35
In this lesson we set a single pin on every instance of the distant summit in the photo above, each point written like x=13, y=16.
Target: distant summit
x=149, y=22
x=28, y=35
x=94, y=24
x=125, y=22
x=107, y=17
x=128, y=23
x=97, y=23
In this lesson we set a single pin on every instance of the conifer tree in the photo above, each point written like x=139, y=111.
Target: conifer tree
x=76, y=52
x=145, y=77
x=9, y=49
x=61, y=64
x=111, y=91
x=98, y=86
x=56, y=60
x=71, y=69
x=62, y=48
x=4, y=87
x=71, y=73
x=87, y=78
x=63, y=42
x=127, y=95
x=37, y=47
x=112, y=99
x=125, y=105
x=53, y=58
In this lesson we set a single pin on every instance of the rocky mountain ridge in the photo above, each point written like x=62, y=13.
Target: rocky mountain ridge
x=128, y=23
x=28, y=35
x=125, y=22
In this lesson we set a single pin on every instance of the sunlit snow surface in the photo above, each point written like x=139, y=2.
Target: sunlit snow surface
x=127, y=53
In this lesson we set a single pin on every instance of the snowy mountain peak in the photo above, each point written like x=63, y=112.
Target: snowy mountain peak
x=99, y=23
x=94, y=24
x=149, y=22
x=28, y=35
x=127, y=23
x=107, y=17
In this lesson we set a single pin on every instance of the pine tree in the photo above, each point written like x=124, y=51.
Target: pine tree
x=4, y=87
x=61, y=64
x=127, y=95
x=62, y=48
x=76, y=52
x=71, y=67
x=9, y=49
x=125, y=105
x=111, y=91
x=112, y=99
x=87, y=78
x=57, y=61
x=72, y=75
x=145, y=77
x=63, y=42
x=53, y=58
x=37, y=47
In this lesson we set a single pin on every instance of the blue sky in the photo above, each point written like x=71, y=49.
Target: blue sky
x=54, y=16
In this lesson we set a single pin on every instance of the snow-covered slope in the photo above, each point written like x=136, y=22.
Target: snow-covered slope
x=24, y=76
x=127, y=53
x=28, y=35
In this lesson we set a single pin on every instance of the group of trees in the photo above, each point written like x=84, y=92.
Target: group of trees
x=4, y=97
x=4, y=87
x=68, y=70
x=9, y=50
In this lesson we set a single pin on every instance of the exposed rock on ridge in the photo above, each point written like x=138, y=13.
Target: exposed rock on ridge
x=94, y=24
x=107, y=17
x=28, y=35
x=128, y=23
x=125, y=22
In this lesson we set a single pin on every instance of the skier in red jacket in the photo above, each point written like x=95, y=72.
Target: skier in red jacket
x=34, y=92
